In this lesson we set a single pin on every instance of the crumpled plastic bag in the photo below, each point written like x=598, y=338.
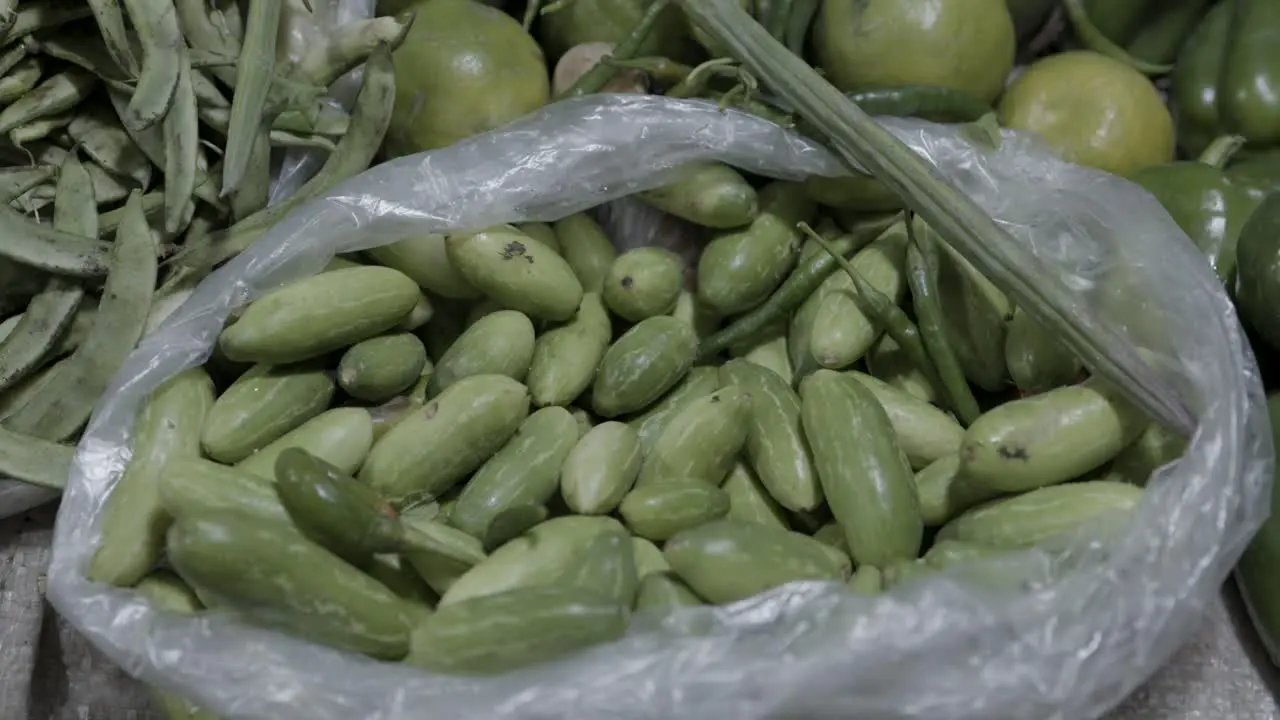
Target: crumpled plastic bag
x=1099, y=614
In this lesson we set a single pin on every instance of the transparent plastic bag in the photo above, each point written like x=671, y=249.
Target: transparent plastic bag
x=1103, y=612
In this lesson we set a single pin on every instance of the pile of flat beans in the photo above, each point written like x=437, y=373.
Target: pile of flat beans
x=136, y=143
x=476, y=452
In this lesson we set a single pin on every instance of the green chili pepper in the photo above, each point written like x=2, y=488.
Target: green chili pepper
x=801, y=283
x=1204, y=202
x=922, y=276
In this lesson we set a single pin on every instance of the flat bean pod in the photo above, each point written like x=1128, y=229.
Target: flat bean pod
x=110, y=19
x=253, y=78
x=369, y=122
x=50, y=313
x=36, y=16
x=156, y=23
x=59, y=411
x=181, y=139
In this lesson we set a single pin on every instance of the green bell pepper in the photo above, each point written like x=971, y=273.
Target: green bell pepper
x=1194, y=94
x=1204, y=202
x=1258, y=286
x=1258, y=175
x=1144, y=34
x=1249, y=94
x=1256, y=574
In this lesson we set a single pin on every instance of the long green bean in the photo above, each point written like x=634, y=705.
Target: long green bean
x=44, y=248
x=39, y=129
x=57, y=94
x=348, y=45
x=51, y=312
x=34, y=16
x=14, y=181
x=181, y=133
x=254, y=188
x=60, y=410
x=101, y=138
x=253, y=80
x=369, y=121
x=204, y=34
x=110, y=19
x=12, y=56
x=152, y=206
x=156, y=23
x=36, y=461
x=20, y=79
x=151, y=142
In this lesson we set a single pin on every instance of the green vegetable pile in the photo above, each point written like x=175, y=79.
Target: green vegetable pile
x=477, y=452
x=137, y=133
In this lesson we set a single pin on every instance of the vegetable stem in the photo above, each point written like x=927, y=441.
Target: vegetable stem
x=1220, y=151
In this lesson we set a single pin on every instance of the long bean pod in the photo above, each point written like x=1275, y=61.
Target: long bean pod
x=110, y=19
x=156, y=23
x=35, y=16
x=18, y=81
x=150, y=141
x=181, y=133
x=102, y=139
x=51, y=312
x=254, y=188
x=34, y=460
x=369, y=121
x=63, y=406
x=253, y=80
x=14, y=181
x=39, y=129
x=44, y=248
x=349, y=45
x=57, y=94
x=202, y=33
x=922, y=277
x=12, y=56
